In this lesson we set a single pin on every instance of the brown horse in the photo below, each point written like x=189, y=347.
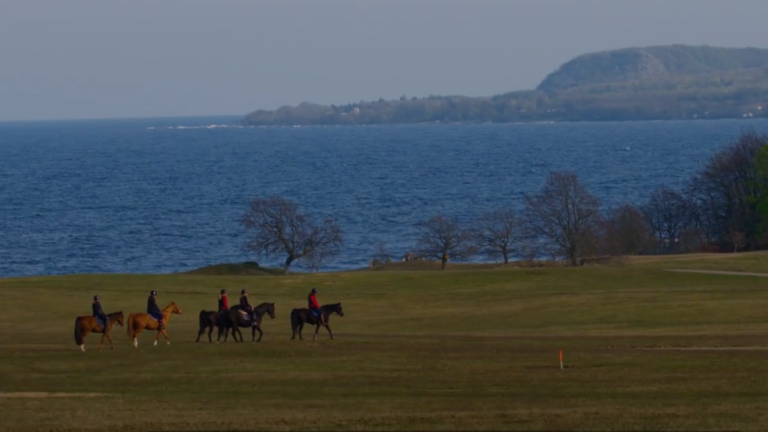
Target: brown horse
x=85, y=324
x=233, y=319
x=208, y=320
x=301, y=316
x=141, y=321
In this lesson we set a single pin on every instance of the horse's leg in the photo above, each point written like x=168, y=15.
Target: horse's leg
x=157, y=336
x=253, y=333
x=317, y=329
x=301, y=327
x=165, y=335
x=261, y=333
x=109, y=338
x=136, y=328
x=83, y=334
x=101, y=340
x=329, y=330
x=200, y=333
x=210, y=330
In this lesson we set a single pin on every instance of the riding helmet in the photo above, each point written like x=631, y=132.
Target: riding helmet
x=223, y=291
x=242, y=291
x=314, y=290
x=96, y=297
x=153, y=292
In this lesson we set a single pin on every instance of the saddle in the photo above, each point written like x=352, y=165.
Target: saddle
x=100, y=322
x=245, y=316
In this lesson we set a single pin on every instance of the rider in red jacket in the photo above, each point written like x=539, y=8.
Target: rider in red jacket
x=314, y=307
x=223, y=301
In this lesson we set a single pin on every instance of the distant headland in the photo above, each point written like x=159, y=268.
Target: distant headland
x=675, y=82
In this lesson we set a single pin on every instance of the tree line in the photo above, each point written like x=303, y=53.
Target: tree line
x=736, y=94
x=722, y=207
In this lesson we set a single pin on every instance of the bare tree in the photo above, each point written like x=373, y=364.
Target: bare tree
x=381, y=253
x=498, y=233
x=313, y=261
x=626, y=232
x=564, y=215
x=280, y=229
x=666, y=213
x=443, y=238
x=737, y=239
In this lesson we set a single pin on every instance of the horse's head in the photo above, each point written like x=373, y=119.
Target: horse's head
x=173, y=308
x=271, y=310
x=120, y=318
x=338, y=310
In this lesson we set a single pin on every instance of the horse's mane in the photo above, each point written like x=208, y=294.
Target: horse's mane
x=169, y=305
x=115, y=313
x=331, y=305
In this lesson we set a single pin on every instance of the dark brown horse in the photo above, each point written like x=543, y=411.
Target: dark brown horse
x=208, y=320
x=85, y=324
x=299, y=317
x=234, y=319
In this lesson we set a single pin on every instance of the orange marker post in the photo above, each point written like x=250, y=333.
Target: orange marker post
x=561, y=359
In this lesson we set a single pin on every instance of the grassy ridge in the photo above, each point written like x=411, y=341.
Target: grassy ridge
x=465, y=349
x=675, y=82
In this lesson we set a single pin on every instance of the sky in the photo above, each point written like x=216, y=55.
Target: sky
x=79, y=59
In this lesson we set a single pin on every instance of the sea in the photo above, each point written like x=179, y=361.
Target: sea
x=167, y=195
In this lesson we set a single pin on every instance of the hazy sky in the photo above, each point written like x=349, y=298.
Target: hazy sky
x=94, y=59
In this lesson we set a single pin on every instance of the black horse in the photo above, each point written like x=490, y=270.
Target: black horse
x=233, y=319
x=208, y=319
x=299, y=317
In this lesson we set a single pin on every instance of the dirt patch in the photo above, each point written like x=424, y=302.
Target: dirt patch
x=36, y=395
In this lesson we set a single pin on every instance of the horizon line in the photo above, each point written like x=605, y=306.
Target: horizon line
x=78, y=119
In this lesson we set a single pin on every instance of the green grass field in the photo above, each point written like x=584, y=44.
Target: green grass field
x=470, y=348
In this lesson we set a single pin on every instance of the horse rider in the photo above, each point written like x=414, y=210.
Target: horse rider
x=99, y=313
x=314, y=307
x=245, y=306
x=155, y=311
x=223, y=307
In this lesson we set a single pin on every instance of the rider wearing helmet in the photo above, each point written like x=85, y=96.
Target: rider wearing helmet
x=99, y=313
x=155, y=311
x=245, y=306
x=314, y=307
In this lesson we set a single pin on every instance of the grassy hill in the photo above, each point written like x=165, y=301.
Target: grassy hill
x=469, y=349
x=675, y=82
x=633, y=64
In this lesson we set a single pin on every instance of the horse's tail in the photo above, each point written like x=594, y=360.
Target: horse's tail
x=294, y=319
x=203, y=319
x=130, y=325
x=78, y=333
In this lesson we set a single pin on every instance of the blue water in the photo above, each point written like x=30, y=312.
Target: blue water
x=149, y=196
